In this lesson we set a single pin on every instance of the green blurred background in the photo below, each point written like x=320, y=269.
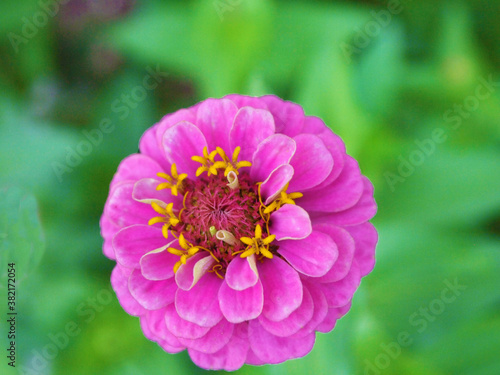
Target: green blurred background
x=413, y=88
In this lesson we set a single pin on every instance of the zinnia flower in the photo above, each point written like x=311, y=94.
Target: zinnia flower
x=239, y=230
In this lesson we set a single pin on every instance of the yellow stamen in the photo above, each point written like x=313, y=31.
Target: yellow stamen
x=257, y=245
x=284, y=198
x=174, y=182
x=168, y=217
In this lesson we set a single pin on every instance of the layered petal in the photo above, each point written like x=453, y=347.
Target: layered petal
x=313, y=256
x=242, y=273
x=251, y=126
x=152, y=295
x=290, y=222
x=273, y=152
x=136, y=167
x=365, y=237
x=282, y=289
x=275, y=183
x=182, y=328
x=119, y=283
x=241, y=305
x=214, y=340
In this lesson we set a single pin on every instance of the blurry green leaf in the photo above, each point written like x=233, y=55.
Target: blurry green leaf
x=21, y=236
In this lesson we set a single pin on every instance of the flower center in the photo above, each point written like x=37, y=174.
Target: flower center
x=222, y=213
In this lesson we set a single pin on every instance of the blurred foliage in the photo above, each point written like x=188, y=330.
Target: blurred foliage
x=385, y=81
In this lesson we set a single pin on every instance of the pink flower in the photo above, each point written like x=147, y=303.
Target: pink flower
x=239, y=230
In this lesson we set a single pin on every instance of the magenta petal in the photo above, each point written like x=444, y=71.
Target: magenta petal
x=122, y=210
x=272, y=153
x=282, y=289
x=250, y=127
x=275, y=183
x=336, y=147
x=188, y=274
x=312, y=256
x=131, y=243
x=150, y=294
x=366, y=237
x=230, y=358
x=342, y=194
x=361, y=212
x=181, y=142
x=181, y=327
x=312, y=163
x=215, y=119
x=214, y=340
x=145, y=192
x=346, y=245
x=119, y=283
x=136, y=167
x=296, y=321
x=320, y=309
x=290, y=222
x=273, y=349
x=108, y=231
x=288, y=116
x=149, y=146
x=242, y=273
x=153, y=325
x=340, y=292
x=241, y=305
x=200, y=304
x=159, y=264
x=168, y=121
x=246, y=101
x=333, y=314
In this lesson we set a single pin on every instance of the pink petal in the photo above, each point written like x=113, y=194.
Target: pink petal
x=250, y=127
x=346, y=245
x=108, y=231
x=135, y=167
x=273, y=152
x=242, y=273
x=159, y=264
x=340, y=292
x=230, y=358
x=131, y=243
x=181, y=142
x=181, y=327
x=282, y=288
x=241, y=305
x=361, y=212
x=122, y=210
x=312, y=163
x=154, y=328
x=290, y=222
x=334, y=314
x=366, y=237
x=168, y=121
x=119, y=282
x=275, y=183
x=200, y=304
x=288, y=116
x=246, y=101
x=215, y=119
x=320, y=309
x=149, y=146
x=145, y=192
x=152, y=295
x=214, y=340
x=188, y=274
x=312, y=256
x=342, y=194
x=296, y=321
x=336, y=147
x=273, y=349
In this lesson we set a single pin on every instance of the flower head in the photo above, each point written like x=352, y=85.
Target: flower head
x=239, y=231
